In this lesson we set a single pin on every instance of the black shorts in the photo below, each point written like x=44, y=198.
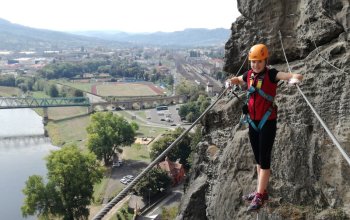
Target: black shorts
x=262, y=142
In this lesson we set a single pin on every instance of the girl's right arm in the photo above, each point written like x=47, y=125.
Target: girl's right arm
x=237, y=80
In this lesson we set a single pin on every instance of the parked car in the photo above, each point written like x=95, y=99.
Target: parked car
x=129, y=177
x=124, y=181
x=117, y=163
x=169, y=120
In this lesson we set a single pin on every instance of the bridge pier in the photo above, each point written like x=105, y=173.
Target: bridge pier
x=46, y=116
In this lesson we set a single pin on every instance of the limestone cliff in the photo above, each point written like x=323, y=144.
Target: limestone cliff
x=310, y=179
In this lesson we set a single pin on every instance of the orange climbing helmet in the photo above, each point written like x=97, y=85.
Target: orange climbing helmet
x=258, y=52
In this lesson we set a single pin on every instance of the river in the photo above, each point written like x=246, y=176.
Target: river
x=20, y=157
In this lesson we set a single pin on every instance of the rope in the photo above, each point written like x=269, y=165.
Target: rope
x=239, y=70
x=335, y=141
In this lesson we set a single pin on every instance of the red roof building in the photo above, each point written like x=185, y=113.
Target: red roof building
x=175, y=170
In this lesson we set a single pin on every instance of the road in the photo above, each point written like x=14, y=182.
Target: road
x=94, y=98
x=154, y=119
x=173, y=199
x=156, y=116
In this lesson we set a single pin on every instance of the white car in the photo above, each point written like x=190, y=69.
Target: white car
x=124, y=180
x=130, y=177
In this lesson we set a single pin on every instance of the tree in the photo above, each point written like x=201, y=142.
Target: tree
x=7, y=80
x=69, y=189
x=134, y=126
x=23, y=87
x=196, y=137
x=169, y=79
x=78, y=93
x=193, y=109
x=190, y=117
x=107, y=133
x=53, y=91
x=169, y=213
x=203, y=106
x=155, y=182
x=181, y=151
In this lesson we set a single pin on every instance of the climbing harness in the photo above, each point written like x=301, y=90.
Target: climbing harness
x=252, y=89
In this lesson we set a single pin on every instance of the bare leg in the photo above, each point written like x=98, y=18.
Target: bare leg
x=264, y=176
x=258, y=172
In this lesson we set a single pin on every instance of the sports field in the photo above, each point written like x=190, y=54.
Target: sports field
x=126, y=89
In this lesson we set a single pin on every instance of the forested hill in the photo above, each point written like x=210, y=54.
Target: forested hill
x=19, y=37
x=187, y=37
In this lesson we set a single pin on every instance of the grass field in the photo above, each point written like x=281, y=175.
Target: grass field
x=9, y=91
x=136, y=152
x=67, y=125
x=99, y=189
x=118, y=89
x=69, y=131
x=127, y=89
x=39, y=94
x=82, y=86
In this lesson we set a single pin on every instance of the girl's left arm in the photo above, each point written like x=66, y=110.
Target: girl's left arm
x=289, y=76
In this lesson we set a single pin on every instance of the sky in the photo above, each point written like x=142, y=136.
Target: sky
x=122, y=15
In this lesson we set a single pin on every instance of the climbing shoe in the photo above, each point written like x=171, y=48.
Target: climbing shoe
x=256, y=203
x=249, y=197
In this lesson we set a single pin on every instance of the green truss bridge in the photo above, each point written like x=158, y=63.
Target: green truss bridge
x=45, y=103
x=11, y=103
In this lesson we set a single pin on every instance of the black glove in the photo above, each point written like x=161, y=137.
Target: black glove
x=245, y=109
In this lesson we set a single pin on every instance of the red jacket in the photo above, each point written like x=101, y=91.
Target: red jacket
x=257, y=105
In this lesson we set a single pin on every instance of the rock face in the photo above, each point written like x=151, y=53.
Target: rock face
x=310, y=179
x=300, y=21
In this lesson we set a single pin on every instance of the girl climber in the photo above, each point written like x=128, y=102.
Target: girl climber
x=261, y=114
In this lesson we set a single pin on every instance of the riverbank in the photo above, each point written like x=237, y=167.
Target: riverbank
x=67, y=125
x=9, y=91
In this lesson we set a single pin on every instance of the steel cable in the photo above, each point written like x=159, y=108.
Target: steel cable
x=124, y=192
x=334, y=139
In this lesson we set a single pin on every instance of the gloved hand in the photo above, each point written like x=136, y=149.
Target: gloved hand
x=293, y=81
